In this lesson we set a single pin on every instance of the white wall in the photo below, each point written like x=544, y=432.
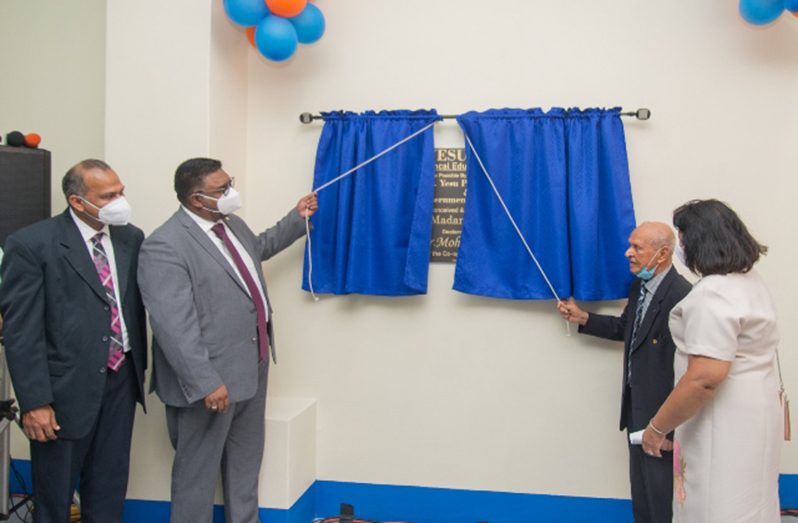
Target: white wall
x=457, y=391
x=52, y=78
x=444, y=389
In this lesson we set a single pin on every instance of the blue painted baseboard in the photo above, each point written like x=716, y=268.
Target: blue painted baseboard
x=439, y=505
x=140, y=510
x=788, y=490
x=137, y=510
x=416, y=504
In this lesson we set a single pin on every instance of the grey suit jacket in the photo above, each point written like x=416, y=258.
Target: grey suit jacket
x=203, y=321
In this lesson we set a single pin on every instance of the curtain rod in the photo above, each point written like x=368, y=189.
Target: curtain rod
x=640, y=114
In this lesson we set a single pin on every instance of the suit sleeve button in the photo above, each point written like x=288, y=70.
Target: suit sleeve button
x=105, y=338
x=102, y=370
x=254, y=339
x=107, y=308
x=654, y=342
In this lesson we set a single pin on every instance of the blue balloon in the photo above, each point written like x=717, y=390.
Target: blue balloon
x=791, y=5
x=276, y=38
x=761, y=12
x=246, y=12
x=309, y=24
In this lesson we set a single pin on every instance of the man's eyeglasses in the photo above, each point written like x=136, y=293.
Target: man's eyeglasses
x=223, y=190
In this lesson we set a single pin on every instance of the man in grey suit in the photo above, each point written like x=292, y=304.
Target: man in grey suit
x=201, y=280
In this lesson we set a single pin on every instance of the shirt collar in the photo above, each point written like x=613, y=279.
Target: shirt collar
x=652, y=284
x=204, y=224
x=87, y=231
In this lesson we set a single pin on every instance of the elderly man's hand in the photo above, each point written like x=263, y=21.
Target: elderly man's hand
x=570, y=311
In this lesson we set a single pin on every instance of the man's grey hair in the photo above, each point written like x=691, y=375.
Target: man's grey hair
x=73, y=183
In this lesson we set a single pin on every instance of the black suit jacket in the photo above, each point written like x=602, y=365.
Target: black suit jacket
x=58, y=320
x=652, y=354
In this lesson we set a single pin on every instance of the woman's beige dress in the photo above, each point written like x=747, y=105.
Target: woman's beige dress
x=728, y=463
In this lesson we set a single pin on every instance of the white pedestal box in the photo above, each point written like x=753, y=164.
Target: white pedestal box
x=289, y=463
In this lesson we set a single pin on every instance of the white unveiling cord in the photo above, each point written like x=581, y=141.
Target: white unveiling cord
x=310, y=259
x=341, y=177
x=517, y=230
x=375, y=157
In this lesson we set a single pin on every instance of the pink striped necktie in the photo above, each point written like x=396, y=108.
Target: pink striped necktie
x=252, y=287
x=116, y=347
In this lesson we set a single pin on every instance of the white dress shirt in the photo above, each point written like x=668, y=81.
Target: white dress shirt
x=88, y=233
x=206, y=226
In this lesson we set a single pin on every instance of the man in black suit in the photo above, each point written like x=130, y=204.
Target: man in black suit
x=647, y=361
x=76, y=347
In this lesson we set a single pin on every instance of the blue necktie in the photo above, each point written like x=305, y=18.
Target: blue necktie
x=641, y=299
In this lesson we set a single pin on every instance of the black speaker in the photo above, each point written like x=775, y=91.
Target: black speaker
x=24, y=188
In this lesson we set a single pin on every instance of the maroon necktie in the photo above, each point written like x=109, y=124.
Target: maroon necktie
x=254, y=291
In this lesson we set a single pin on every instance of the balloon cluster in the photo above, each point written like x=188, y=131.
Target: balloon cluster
x=276, y=27
x=761, y=12
x=17, y=139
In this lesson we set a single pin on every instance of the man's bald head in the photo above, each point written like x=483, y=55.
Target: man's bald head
x=651, y=245
x=658, y=234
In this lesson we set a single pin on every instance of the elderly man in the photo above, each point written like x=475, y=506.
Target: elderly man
x=213, y=330
x=648, y=358
x=76, y=345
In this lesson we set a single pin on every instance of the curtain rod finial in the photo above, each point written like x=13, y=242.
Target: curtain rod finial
x=305, y=118
x=643, y=114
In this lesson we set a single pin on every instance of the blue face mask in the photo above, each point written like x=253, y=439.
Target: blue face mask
x=645, y=273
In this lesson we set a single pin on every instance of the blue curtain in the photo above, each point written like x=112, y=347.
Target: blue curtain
x=564, y=176
x=373, y=228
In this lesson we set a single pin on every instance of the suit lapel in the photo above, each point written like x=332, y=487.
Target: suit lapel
x=77, y=254
x=653, y=308
x=239, y=229
x=202, y=239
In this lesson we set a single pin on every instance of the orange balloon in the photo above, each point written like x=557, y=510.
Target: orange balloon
x=286, y=8
x=32, y=140
x=251, y=36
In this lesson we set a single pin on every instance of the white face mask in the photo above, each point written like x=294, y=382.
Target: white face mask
x=228, y=203
x=115, y=212
x=679, y=252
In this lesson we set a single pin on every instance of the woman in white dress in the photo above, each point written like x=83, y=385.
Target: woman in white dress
x=725, y=406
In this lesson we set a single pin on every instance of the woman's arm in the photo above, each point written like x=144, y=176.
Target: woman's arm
x=698, y=385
